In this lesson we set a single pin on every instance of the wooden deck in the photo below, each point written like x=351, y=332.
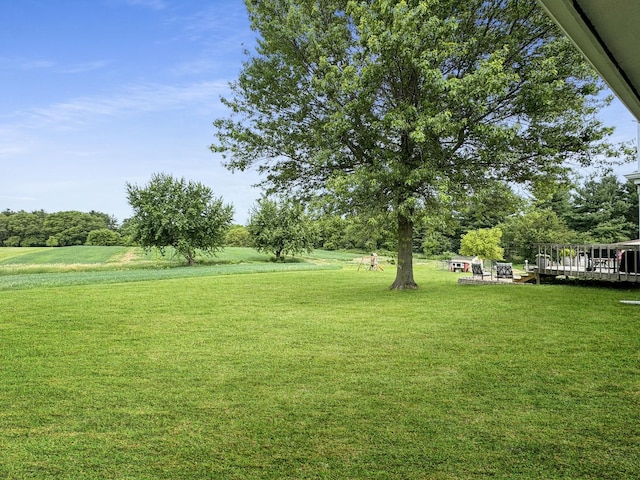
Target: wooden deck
x=618, y=262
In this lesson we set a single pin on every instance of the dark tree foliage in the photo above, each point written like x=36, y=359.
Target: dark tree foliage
x=486, y=207
x=58, y=229
x=602, y=209
x=72, y=227
x=521, y=233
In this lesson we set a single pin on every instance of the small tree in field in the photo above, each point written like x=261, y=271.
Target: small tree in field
x=170, y=212
x=281, y=228
x=484, y=243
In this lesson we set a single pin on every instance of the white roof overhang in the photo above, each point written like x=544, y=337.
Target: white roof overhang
x=607, y=32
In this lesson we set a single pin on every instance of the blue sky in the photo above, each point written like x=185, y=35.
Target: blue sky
x=98, y=93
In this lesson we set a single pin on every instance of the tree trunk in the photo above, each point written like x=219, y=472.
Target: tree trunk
x=404, y=270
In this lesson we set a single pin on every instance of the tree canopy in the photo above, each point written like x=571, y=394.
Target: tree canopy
x=185, y=215
x=400, y=106
x=535, y=225
x=280, y=227
x=58, y=229
x=601, y=209
x=484, y=243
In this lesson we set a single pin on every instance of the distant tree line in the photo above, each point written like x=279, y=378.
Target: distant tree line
x=600, y=209
x=40, y=229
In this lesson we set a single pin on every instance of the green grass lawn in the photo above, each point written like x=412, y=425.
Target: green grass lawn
x=58, y=256
x=318, y=374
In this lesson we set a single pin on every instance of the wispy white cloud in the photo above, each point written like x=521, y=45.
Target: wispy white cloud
x=52, y=66
x=84, y=67
x=36, y=64
x=22, y=131
x=219, y=35
x=152, y=4
x=10, y=149
x=196, y=67
x=16, y=198
x=137, y=99
x=13, y=141
x=218, y=23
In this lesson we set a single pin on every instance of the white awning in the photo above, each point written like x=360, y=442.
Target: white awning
x=607, y=32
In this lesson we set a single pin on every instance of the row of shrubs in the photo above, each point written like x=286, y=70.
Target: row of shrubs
x=238, y=236
x=101, y=237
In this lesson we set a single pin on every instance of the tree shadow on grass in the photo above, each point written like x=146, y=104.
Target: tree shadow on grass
x=580, y=282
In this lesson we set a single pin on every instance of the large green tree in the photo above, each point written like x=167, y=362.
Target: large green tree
x=488, y=205
x=403, y=104
x=523, y=232
x=185, y=215
x=24, y=229
x=603, y=209
x=280, y=227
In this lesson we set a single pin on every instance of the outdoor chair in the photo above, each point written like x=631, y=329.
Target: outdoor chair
x=504, y=270
x=478, y=272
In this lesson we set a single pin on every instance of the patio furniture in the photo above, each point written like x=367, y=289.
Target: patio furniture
x=504, y=271
x=478, y=271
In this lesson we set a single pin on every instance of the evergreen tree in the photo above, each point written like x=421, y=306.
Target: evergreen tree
x=602, y=208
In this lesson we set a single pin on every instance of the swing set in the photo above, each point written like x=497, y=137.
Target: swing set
x=370, y=261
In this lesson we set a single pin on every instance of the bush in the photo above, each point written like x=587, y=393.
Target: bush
x=13, y=241
x=32, y=241
x=52, y=242
x=103, y=237
x=238, y=236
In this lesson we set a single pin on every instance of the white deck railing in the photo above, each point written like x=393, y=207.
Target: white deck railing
x=614, y=262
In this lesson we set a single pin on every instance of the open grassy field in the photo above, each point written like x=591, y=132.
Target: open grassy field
x=81, y=265
x=316, y=373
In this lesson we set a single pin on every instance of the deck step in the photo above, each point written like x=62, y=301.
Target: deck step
x=529, y=277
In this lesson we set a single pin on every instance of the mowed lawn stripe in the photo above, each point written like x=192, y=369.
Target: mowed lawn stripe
x=60, y=255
